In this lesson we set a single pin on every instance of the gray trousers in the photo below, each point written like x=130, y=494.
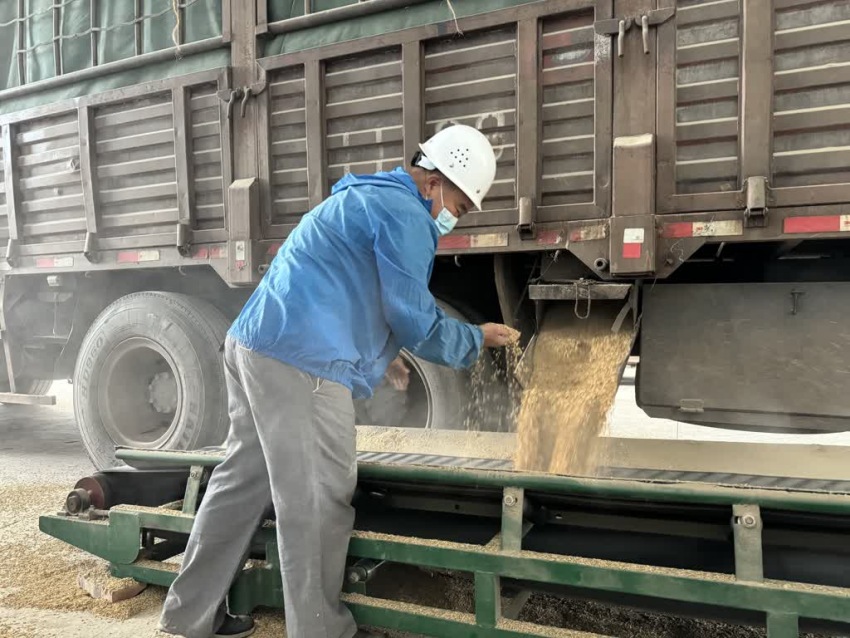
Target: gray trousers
x=292, y=444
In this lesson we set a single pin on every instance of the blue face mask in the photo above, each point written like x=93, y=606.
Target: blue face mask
x=445, y=221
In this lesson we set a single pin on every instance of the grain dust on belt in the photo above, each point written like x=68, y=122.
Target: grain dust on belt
x=574, y=373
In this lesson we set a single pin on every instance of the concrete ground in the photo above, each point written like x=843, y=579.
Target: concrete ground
x=41, y=457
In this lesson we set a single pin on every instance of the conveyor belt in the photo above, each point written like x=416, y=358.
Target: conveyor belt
x=788, y=483
x=646, y=474
x=777, y=482
x=433, y=460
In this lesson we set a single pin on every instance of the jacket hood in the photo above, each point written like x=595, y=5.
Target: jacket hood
x=399, y=178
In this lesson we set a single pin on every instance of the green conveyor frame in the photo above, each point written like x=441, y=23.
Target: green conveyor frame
x=119, y=539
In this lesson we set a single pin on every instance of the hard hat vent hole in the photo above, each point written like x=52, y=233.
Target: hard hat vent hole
x=462, y=156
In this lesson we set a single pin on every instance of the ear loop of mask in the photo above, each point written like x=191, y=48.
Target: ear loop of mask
x=443, y=201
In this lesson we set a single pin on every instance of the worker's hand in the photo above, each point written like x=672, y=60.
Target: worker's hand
x=398, y=374
x=497, y=335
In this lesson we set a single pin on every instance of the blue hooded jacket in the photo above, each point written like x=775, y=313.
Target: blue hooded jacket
x=349, y=288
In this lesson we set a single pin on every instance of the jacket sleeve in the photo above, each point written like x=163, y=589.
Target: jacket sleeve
x=439, y=346
x=404, y=253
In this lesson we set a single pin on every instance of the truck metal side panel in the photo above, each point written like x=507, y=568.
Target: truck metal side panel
x=811, y=106
x=125, y=167
x=473, y=81
x=568, y=109
x=51, y=207
x=742, y=90
x=699, y=81
x=4, y=207
x=135, y=174
x=287, y=148
x=753, y=89
x=363, y=106
x=363, y=114
x=207, y=159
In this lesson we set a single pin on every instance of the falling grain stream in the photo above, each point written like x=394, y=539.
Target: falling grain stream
x=574, y=375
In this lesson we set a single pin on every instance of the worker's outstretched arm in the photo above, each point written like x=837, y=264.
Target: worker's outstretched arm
x=443, y=341
x=404, y=256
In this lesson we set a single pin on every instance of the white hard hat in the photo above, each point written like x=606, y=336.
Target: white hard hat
x=464, y=155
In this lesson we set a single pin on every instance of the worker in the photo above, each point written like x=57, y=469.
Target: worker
x=345, y=293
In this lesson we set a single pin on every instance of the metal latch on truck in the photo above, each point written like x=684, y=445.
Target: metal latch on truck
x=526, y=226
x=619, y=26
x=243, y=94
x=755, y=215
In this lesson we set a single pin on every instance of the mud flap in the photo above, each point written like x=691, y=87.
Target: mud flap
x=761, y=356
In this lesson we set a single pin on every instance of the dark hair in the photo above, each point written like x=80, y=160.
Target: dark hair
x=415, y=160
x=414, y=163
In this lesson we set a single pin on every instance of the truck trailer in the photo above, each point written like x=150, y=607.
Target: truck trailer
x=685, y=159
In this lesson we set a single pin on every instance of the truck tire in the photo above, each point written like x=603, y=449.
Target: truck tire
x=37, y=386
x=149, y=375
x=29, y=386
x=437, y=398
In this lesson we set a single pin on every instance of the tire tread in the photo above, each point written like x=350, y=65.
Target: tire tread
x=205, y=327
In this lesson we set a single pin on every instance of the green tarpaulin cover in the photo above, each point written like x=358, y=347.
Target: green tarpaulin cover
x=201, y=20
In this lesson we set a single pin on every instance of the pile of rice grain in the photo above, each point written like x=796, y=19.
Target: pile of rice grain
x=40, y=572
x=575, y=372
x=7, y=631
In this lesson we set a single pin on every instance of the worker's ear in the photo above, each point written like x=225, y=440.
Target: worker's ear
x=432, y=185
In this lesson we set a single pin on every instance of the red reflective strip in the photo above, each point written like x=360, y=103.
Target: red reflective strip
x=128, y=257
x=208, y=252
x=450, y=242
x=631, y=251
x=549, y=237
x=44, y=262
x=677, y=229
x=816, y=224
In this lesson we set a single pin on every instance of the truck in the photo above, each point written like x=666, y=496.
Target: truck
x=686, y=159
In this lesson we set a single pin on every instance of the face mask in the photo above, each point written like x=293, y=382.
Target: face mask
x=445, y=221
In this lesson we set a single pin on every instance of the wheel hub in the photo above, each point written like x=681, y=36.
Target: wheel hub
x=139, y=396
x=163, y=392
